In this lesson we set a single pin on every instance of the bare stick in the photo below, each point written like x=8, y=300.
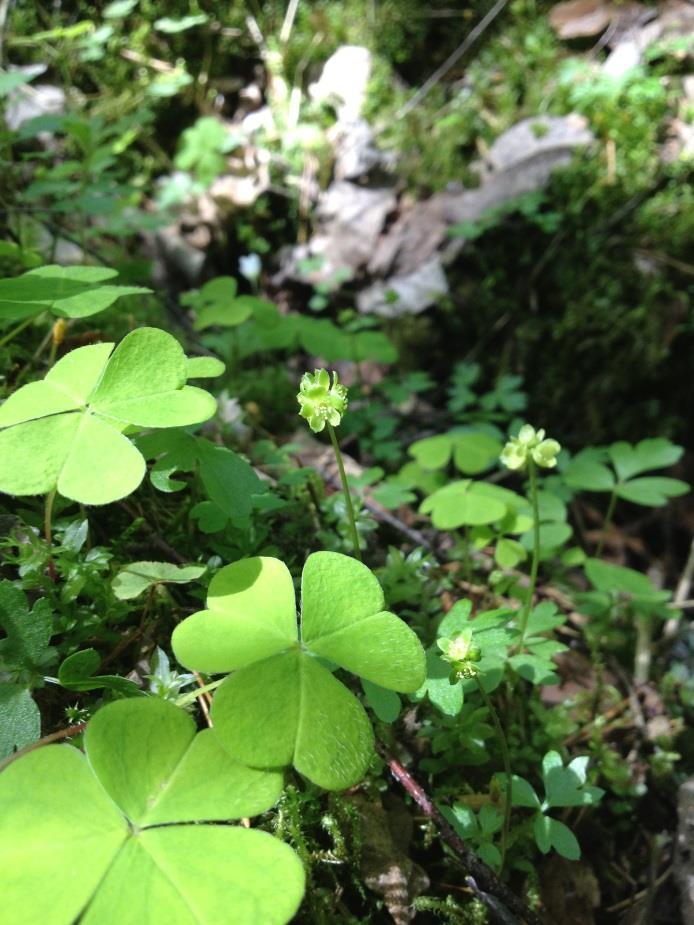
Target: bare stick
x=286, y=30
x=484, y=876
x=452, y=59
x=681, y=594
x=46, y=740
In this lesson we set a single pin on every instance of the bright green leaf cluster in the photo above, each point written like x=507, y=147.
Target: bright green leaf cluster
x=469, y=503
x=68, y=292
x=24, y=655
x=282, y=705
x=589, y=470
x=472, y=451
x=135, y=817
x=530, y=444
x=66, y=432
x=218, y=303
x=564, y=787
x=320, y=401
x=230, y=483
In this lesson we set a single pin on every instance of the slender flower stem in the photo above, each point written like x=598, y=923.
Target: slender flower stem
x=48, y=517
x=48, y=532
x=16, y=330
x=525, y=612
x=503, y=744
x=607, y=523
x=345, y=489
x=644, y=638
x=185, y=699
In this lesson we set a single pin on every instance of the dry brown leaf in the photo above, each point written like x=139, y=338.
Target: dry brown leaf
x=579, y=18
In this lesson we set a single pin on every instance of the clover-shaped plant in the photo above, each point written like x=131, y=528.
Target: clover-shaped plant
x=472, y=451
x=282, y=705
x=67, y=292
x=66, y=432
x=126, y=833
x=217, y=303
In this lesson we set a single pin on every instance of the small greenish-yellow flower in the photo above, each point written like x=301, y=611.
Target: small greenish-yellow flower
x=462, y=655
x=320, y=402
x=530, y=444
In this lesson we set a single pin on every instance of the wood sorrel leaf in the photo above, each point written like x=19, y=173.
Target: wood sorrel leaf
x=200, y=875
x=251, y=615
x=136, y=577
x=65, y=433
x=283, y=706
x=69, y=292
x=55, y=818
x=342, y=619
x=60, y=812
x=180, y=776
x=289, y=709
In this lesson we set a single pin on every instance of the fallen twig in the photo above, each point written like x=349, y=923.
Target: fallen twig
x=58, y=736
x=482, y=875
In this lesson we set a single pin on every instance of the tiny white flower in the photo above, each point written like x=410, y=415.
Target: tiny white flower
x=250, y=266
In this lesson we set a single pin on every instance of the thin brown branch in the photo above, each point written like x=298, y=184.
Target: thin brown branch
x=67, y=733
x=483, y=876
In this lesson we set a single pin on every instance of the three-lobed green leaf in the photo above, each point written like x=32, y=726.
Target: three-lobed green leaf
x=68, y=292
x=65, y=432
x=282, y=705
x=137, y=577
x=121, y=817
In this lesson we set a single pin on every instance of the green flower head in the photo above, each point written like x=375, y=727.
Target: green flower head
x=530, y=444
x=462, y=655
x=319, y=401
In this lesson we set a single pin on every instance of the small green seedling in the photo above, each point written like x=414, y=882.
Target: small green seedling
x=624, y=595
x=478, y=829
x=282, y=705
x=564, y=787
x=217, y=303
x=136, y=817
x=66, y=432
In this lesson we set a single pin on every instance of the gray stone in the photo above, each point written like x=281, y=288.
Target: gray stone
x=344, y=81
x=406, y=295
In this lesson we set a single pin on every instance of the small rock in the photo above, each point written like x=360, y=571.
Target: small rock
x=580, y=18
x=351, y=219
x=406, y=295
x=344, y=81
x=30, y=101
